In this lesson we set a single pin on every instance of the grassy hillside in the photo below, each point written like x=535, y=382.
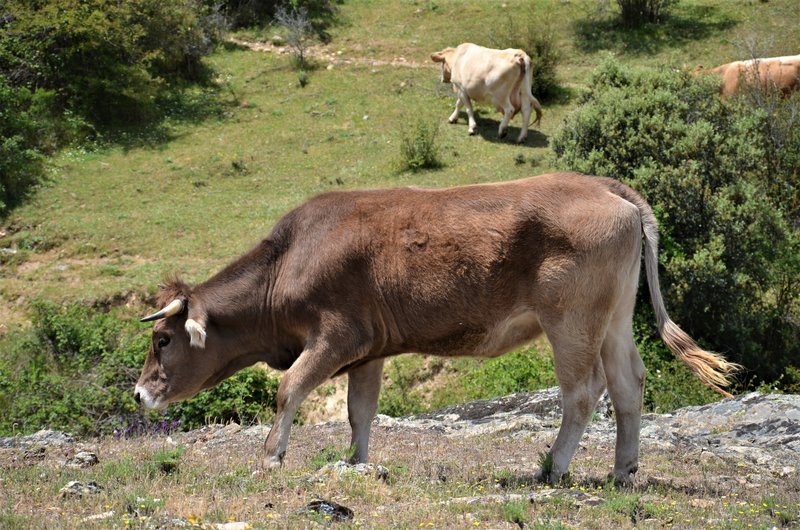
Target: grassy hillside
x=203, y=188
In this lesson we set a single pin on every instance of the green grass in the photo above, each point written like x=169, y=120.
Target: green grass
x=117, y=219
x=208, y=183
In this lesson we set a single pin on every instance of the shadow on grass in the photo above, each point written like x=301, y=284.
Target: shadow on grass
x=695, y=23
x=487, y=130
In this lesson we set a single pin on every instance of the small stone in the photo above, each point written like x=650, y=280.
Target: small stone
x=234, y=525
x=77, y=488
x=98, y=517
x=82, y=459
x=34, y=454
x=335, y=511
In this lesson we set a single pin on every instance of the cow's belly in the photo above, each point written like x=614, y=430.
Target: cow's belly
x=518, y=329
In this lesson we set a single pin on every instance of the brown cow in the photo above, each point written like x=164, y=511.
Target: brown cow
x=350, y=278
x=778, y=73
x=500, y=77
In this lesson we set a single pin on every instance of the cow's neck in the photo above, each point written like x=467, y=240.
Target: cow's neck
x=235, y=301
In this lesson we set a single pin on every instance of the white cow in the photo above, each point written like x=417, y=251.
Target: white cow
x=500, y=77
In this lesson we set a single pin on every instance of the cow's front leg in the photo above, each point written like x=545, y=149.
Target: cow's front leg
x=305, y=375
x=363, y=389
x=454, y=116
x=473, y=125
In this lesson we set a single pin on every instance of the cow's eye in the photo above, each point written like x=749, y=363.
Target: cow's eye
x=163, y=341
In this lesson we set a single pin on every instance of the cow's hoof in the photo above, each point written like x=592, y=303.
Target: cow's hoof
x=522, y=140
x=622, y=478
x=473, y=132
x=551, y=478
x=272, y=463
x=503, y=133
x=452, y=120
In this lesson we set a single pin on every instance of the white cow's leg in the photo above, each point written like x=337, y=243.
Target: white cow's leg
x=508, y=111
x=304, y=376
x=473, y=125
x=625, y=374
x=363, y=388
x=526, y=117
x=454, y=116
x=582, y=380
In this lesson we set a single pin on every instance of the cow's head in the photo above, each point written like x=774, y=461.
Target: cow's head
x=178, y=366
x=444, y=57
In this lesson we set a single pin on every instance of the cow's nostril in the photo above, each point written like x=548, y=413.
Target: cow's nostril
x=137, y=397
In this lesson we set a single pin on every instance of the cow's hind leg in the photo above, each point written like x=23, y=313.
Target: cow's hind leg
x=582, y=380
x=526, y=117
x=508, y=112
x=625, y=374
x=364, y=386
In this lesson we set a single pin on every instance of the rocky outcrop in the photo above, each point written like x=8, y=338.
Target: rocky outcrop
x=756, y=429
x=759, y=429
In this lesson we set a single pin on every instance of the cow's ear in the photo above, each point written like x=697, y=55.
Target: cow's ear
x=196, y=324
x=197, y=333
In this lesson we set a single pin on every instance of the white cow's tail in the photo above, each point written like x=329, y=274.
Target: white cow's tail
x=712, y=369
x=528, y=75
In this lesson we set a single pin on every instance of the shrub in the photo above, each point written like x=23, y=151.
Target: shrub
x=106, y=61
x=247, y=13
x=398, y=396
x=519, y=371
x=75, y=369
x=526, y=28
x=725, y=194
x=20, y=161
x=638, y=12
x=418, y=149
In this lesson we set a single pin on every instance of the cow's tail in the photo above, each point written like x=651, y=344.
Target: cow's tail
x=712, y=369
x=528, y=75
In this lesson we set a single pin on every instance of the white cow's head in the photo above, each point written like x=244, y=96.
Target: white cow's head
x=444, y=57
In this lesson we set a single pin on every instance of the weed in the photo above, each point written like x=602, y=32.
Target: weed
x=167, y=460
x=418, y=149
x=516, y=512
x=327, y=455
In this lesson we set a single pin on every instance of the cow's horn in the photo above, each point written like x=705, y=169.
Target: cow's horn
x=173, y=308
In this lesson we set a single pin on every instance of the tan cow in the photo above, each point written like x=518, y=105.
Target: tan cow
x=778, y=73
x=350, y=278
x=499, y=77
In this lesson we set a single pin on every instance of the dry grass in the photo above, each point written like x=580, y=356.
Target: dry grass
x=433, y=482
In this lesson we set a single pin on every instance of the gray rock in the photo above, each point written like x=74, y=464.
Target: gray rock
x=45, y=438
x=758, y=429
x=76, y=488
x=82, y=459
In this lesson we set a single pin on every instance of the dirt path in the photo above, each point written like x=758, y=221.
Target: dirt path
x=328, y=55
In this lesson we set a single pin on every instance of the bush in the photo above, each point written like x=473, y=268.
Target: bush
x=418, y=149
x=519, y=371
x=527, y=29
x=106, y=61
x=75, y=370
x=247, y=13
x=20, y=161
x=725, y=193
x=638, y=12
